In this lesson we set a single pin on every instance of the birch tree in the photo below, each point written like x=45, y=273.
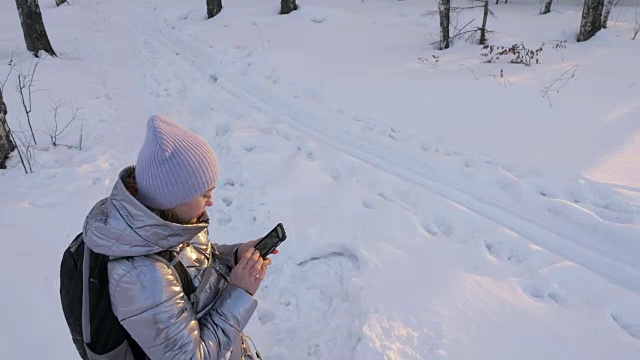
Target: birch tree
x=6, y=145
x=591, y=19
x=213, y=8
x=35, y=34
x=444, y=12
x=483, y=29
x=288, y=6
x=608, y=6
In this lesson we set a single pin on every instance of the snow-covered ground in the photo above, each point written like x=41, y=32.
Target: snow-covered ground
x=434, y=210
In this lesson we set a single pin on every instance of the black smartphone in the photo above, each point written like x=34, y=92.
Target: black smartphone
x=271, y=241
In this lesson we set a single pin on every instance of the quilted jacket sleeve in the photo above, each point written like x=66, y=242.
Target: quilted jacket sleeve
x=148, y=301
x=228, y=250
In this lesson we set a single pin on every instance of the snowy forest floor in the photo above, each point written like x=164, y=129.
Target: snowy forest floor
x=438, y=207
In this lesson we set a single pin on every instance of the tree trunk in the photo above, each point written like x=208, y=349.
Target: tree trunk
x=35, y=35
x=608, y=6
x=591, y=19
x=547, y=7
x=444, y=10
x=213, y=8
x=288, y=6
x=483, y=29
x=6, y=145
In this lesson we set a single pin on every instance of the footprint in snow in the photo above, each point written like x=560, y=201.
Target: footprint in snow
x=469, y=162
x=424, y=146
x=229, y=183
x=328, y=288
x=272, y=78
x=393, y=134
x=266, y=315
x=286, y=134
x=545, y=190
x=375, y=128
x=444, y=226
x=615, y=204
x=578, y=194
x=227, y=200
x=439, y=226
x=512, y=187
x=541, y=291
x=335, y=174
x=429, y=228
x=223, y=219
x=507, y=251
x=249, y=147
x=223, y=129
x=370, y=202
x=628, y=325
x=307, y=152
x=314, y=351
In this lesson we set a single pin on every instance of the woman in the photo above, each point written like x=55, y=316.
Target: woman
x=160, y=204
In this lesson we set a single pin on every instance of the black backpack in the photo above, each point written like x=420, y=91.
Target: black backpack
x=105, y=333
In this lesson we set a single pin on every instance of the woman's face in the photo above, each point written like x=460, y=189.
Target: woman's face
x=190, y=211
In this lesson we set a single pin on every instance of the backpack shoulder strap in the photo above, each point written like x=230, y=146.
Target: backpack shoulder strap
x=185, y=279
x=205, y=279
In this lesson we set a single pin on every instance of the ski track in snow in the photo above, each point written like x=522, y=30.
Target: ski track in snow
x=331, y=301
x=614, y=267
x=343, y=299
x=328, y=277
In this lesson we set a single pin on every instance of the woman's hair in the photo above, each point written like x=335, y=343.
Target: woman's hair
x=167, y=215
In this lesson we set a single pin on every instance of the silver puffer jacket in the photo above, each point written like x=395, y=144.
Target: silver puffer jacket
x=146, y=294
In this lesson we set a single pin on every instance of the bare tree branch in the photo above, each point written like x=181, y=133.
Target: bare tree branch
x=22, y=160
x=636, y=28
x=560, y=82
x=81, y=132
x=55, y=133
x=24, y=84
x=497, y=77
x=462, y=28
x=27, y=146
x=464, y=8
x=608, y=7
x=436, y=59
x=12, y=64
x=473, y=72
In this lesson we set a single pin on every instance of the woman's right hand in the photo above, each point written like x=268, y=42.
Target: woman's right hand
x=250, y=271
